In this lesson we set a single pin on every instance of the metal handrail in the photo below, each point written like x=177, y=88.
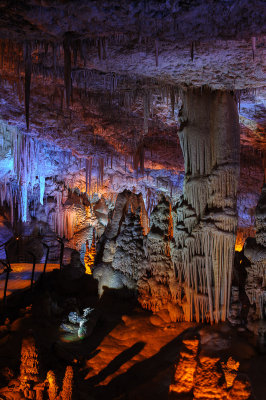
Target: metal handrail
x=33, y=269
x=7, y=242
x=46, y=257
x=7, y=264
x=8, y=268
x=62, y=243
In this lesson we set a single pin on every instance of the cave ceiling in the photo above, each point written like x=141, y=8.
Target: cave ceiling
x=105, y=78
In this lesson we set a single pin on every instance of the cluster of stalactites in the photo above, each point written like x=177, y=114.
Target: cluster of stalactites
x=27, y=172
x=203, y=268
x=64, y=218
x=26, y=181
x=207, y=221
x=69, y=57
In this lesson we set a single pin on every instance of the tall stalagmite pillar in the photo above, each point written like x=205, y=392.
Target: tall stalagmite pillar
x=206, y=219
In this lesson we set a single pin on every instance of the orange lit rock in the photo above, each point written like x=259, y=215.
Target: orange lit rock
x=52, y=385
x=29, y=368
x=66, y=393
x=230, y=371
x=241, y=389
x=242, y=235
x=90, y=255
x=209, y=380
x=186, y=367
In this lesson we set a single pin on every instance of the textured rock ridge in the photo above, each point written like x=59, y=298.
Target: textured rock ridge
x=255, y=251
x=157, y=286
x=122, y=247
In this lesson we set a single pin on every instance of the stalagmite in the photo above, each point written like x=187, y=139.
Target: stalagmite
x=66, y=393
x=183, y=380
x=52, y=385
x=29, y=368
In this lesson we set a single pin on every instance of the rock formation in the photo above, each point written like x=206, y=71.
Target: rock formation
x=183, y=381
x=29, y=367
x=52, y=385
x=202, y=377
x=157, y=286
x=187, y=257
x=123, y=256
x=207, y=219
x=255, y=251
x=67, y=388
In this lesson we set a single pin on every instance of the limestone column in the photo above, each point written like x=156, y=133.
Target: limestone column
x=207, y=219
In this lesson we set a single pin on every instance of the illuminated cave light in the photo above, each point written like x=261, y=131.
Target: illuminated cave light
x=242, y=234
x=90, y=254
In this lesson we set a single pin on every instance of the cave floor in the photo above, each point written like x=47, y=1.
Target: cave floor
x=130, y=353
x=20, y=277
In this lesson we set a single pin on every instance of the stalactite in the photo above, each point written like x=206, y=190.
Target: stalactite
x=67, y=69
x=87, y=174
x=146, y=112
x=253, y=39
x=192, y=50
x=156, y=53
x=139, y=158
x=42, y=187
x=172, y=95
x=101, y=170
x=90, y=169
x=27, y=61
x=100, y=49
x=104, y=48
x=3, y=45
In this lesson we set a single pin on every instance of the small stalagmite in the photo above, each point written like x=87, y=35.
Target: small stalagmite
x=52, y=385
x=230, y=369
x=29, y=367
x=66, y=393
x=183, y=381
x=209, y=380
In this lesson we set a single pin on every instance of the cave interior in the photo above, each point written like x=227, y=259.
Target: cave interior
x=132, y=199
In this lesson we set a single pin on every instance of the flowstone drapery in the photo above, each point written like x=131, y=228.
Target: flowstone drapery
x=204, y=233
